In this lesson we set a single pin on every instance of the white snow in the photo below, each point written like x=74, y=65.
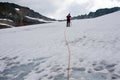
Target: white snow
x=6, y=24
x=40, y=52
x=36, y=19
x=6, y=20
x=17, y=9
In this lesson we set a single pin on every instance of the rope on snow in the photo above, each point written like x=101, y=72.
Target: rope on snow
x=69, y=55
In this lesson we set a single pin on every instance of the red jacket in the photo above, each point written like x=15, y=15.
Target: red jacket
x=68, y=17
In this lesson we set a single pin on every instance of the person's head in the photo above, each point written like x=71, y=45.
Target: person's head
x=69, y=14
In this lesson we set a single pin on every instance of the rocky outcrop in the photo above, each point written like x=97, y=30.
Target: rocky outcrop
x=15, y=15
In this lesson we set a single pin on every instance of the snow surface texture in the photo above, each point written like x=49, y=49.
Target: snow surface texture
x=39, y=52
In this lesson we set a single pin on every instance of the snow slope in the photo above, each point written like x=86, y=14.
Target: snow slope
x=39, y=52
x=42, y=20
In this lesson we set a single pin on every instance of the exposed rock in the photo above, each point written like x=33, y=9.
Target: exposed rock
x=15, y=15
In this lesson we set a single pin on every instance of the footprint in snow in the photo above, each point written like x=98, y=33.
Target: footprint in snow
x=79, y=69
x=98, y=68
x=60, y=77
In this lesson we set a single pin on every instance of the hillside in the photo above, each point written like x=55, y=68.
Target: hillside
x=39, y=52
x=16, y=15
x=98, y=13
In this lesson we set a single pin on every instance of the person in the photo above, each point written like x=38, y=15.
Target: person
x=68, y=19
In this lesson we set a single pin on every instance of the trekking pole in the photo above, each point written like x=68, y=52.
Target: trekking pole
x=71, y=23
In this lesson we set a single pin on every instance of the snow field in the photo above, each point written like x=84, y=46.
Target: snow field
x=39, y=52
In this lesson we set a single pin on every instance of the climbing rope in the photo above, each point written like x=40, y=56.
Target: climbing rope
x=69, y=54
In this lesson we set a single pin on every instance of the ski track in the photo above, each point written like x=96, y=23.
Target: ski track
x=39, y=52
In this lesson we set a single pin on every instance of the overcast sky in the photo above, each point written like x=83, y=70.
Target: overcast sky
x=58, y=9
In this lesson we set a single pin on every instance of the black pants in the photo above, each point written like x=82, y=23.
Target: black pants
x=68, y=23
